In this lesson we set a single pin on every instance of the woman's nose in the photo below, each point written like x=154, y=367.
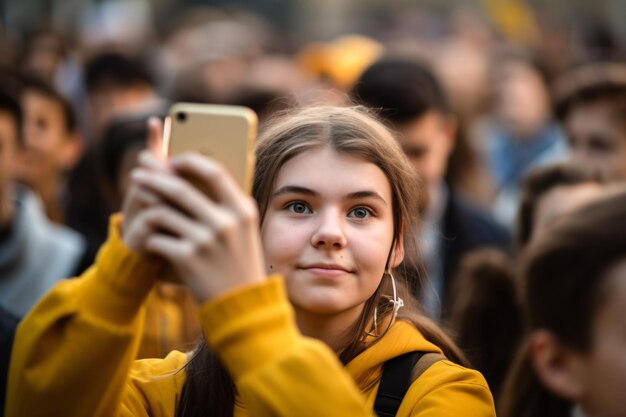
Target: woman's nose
x=329, y=233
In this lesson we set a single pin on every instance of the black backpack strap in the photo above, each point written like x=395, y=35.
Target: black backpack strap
x=394, y=383
x=398, y=375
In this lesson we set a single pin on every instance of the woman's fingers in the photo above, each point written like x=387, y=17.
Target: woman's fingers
x=145, y=197
x=162, y=219
x=177, y=191
x=148, y=160
x=218, y=180
x=137, y=199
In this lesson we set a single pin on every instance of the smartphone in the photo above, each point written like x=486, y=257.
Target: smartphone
x=224, y=133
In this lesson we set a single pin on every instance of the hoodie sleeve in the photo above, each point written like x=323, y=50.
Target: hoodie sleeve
x=73, y=352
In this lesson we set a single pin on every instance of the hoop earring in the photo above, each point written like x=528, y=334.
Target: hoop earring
x=392, y=304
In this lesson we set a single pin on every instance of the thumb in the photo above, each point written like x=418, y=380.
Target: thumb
x=156, y=137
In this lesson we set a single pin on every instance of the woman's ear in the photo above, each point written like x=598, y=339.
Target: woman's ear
x=560, y=368
x=397, y=253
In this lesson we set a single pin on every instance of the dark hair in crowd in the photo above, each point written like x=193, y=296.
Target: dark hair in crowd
x=591, y=83
x=120, y=135
x=10, y=105
x=539, y=182
x=37, y=85
x=112, y=69
x=486, y=318
x=400, y=90
x=209, y=390
x=564, y=282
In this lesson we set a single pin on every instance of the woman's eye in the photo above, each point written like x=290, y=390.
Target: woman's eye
x=298, y=208
x=360, y=213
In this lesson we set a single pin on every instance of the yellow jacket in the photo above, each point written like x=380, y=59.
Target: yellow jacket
x=74, y=355
x=170, y=322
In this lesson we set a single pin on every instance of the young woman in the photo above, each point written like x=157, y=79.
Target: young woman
x=573, y=363
x=298, y=313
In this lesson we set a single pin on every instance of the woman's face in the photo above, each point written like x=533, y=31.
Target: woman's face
x=328, y=230
x=604, y=368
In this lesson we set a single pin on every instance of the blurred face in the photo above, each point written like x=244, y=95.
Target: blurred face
x=427, y=142
x=107, y=103
x=597, y=139
x=329, y=230
x=45, y=55
x=47, y=141
x=604, y=368
x=521, y=100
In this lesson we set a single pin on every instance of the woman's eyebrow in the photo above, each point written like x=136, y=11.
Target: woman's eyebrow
x=295, y=189
x=366, y=194
x=357, y=195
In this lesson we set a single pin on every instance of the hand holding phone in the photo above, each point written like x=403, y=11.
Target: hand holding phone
x=223, y=133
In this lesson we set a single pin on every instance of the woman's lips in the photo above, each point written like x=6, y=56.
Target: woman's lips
x=326, y=271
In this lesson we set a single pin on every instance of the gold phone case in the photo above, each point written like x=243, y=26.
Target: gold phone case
x=225, y=133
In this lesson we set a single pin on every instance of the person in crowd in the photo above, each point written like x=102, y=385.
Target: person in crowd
x=299, y=305
x=519, y=133
x=116, y=85
x=34, y=253
x=52, y=144
x=591, y=105
x=410, y=100
x=43, y=53
x=574, y=296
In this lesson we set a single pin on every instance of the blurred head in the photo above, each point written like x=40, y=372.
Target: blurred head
x=52, y=142
x=521, y=100
x=43, y=51
x=591, y=104
x=574, y=292
x=550, y=191
x=463, y=68
x=409, y=99
x=117, y=84
x=10, y=144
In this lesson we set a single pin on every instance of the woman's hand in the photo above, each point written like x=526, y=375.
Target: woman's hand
x=213, y=243
x=134, y=228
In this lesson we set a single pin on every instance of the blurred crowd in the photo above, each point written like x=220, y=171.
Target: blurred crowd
x=510, y=122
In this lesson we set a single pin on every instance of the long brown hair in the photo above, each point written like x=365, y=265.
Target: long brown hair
x=347, y=130
x=563, y=285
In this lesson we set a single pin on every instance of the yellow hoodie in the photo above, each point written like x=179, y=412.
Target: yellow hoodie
x=74, y=355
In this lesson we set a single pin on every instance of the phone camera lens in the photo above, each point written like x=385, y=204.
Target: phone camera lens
x=181, y=117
